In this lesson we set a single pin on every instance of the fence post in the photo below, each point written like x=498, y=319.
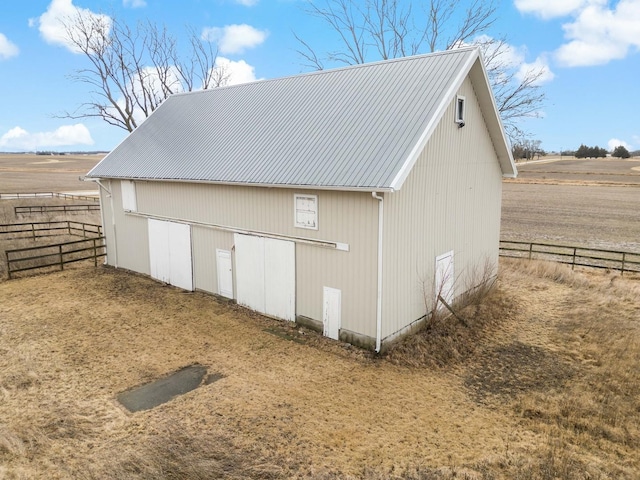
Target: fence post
x=61, y=259
x=622, y=268
x=95, y=254
x=573, y=263
x=530, y=250
x=84, y=234
x=69, y=227
x=33, y=231
x=8, y=265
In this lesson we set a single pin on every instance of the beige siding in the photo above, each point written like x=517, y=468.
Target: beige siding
x=345, y=217
x=450, y=201
x=127, y=235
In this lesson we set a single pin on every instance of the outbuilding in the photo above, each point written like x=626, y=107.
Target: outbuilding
x=340, y=199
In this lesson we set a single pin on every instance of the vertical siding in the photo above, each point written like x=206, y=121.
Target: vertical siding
x=450, y=201
x=128, y=239
x=346, y=217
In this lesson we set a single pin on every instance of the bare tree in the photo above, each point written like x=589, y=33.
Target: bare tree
x=384, y=29
x=133, y=70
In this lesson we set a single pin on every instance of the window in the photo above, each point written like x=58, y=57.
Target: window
x=460, y=110
x=129, y=202
x=306, y=211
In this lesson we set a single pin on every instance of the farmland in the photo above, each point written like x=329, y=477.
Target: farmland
x=542, y=383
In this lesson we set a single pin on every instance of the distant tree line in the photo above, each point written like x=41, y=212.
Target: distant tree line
x=590, y=152
x=526, y=149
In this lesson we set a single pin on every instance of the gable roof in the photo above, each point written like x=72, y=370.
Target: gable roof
x=359, y=127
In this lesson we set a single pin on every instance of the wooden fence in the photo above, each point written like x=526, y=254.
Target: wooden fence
x=37, y=230
x=17, y=196
x=580, y=256
x=57, y=255
x=31, y=209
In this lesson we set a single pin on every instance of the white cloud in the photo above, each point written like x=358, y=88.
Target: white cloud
x=234, y=38
x=599, y=34
x=134, y=3
x=68, y=135
x=7, y=48
x=540, y=65
x=554, y=8
x=51, y=23
x=236, y=72
x=614, y=142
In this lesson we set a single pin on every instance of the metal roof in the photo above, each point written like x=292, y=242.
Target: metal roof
x=356, y=127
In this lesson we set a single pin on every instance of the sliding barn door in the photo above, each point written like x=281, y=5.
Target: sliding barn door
x=266, y=275
x=170, y=253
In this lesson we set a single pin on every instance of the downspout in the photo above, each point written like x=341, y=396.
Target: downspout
x=379, y=305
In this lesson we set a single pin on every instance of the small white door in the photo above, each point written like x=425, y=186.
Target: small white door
x=225, y=273
x=331, y=312
x=444, y=277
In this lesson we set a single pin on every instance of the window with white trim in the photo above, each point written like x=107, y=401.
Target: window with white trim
x=129, y=202
x=460, y=109
x=306, y=211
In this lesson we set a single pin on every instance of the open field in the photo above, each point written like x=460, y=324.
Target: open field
x=544, y=383
x=26, y=173
x=593, y=203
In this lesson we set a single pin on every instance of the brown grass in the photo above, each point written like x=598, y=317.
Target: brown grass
x=543, y=383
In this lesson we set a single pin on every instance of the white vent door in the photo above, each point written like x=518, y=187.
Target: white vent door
x=250, y=271
x=444, y=277
x=225, y=273
x=159, y=250
x=280, y=279
x=331, y=312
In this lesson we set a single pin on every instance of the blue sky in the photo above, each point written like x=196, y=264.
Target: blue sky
x=590, y=50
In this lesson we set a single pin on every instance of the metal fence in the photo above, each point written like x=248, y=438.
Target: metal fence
x=572, y=255
x=56, y=255
x=34, y=209
x=17, y=196
x=37, y=230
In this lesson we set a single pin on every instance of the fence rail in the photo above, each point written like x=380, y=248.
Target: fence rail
x=16, y=196
x=571, y=255
x=30, y=209
x=56, y=255
x=37, y=230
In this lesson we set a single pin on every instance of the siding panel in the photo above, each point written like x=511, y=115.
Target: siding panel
x=450, y=201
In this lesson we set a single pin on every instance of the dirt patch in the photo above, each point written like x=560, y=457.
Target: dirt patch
x=515, y=369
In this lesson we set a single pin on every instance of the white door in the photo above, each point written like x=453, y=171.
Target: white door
x=170, y=253
x=444, y=277
x=159, y=250
x=180, y=267
x=280, y=279
x=225, y=273
x=331, y=312
x=250, y=271
x=265, y=275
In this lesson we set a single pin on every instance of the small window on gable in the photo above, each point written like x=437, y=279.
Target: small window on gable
x=460, y=109
x=306, y=211
x=129, y=202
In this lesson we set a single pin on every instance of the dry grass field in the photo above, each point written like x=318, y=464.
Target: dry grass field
x=543, y=383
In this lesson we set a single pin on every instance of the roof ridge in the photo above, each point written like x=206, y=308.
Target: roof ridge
x=338, y=69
